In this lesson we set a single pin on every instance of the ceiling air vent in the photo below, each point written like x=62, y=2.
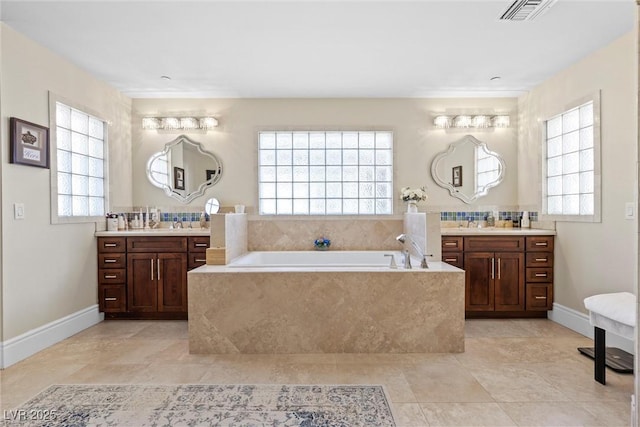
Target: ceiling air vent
x=526, y=10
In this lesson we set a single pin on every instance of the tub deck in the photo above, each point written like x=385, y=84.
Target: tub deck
x=326, y=310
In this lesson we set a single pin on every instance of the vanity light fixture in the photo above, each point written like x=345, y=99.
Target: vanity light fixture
x=478, y=121
x=481, y=121
x=176, y=123
x=442, y=122
x=462, y=121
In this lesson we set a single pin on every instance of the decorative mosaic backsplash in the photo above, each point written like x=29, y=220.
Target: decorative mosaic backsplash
x=481, y=216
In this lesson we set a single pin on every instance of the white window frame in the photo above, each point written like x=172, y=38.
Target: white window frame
x=309, y=180
x=597, y=197
x=53, y=153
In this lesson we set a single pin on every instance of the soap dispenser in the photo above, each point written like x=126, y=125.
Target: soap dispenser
x=525, y=223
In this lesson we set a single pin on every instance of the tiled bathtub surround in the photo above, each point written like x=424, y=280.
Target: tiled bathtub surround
x=345, y=234
x=480, y=215
x=271, y=311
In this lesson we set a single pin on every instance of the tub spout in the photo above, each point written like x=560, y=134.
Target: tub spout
x=402, y=239
x=407, y=259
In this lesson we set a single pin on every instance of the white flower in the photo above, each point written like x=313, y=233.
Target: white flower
x=416, y=194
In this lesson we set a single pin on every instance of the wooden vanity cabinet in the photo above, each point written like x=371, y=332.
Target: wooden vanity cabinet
x=506, y=276
x=452, y=247
x=539, y=273
x=152, y=280
x=494, y=280
x=112, y=277
x=197, y=251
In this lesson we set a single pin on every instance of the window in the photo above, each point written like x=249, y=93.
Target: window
x=325, y=173
x=571, y=160
x=78, y=165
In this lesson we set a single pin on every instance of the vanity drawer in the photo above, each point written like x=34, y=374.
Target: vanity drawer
x=540, y=243
x=454, y=258
x=539, y=274
x=112, y=260
x=111, y=244
x=452, y=243
x=539, y=259
x=198, y=243
x=196, y=259
x=112, y=276
x=112, y=298
x=494, y=243
x=157, y=244
x=539, y=297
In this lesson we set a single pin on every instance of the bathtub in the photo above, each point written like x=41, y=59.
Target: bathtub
x=325, y=302
x=317, y=259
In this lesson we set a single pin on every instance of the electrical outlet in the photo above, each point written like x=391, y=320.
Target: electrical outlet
x=629, y=210
x=18, y=210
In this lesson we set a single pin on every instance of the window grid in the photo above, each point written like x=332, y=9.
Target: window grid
x=325, y=173
x=570, y=162
x=80, y=163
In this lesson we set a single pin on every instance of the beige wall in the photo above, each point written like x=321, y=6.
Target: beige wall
x=590, y=258
x=234, y=141
x=49, y=271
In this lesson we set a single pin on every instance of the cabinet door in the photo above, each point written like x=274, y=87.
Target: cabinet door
x=172, y=282
x=142, y=289
x=509, y=281
x=479, y=283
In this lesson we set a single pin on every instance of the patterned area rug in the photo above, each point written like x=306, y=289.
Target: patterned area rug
x=206, y=405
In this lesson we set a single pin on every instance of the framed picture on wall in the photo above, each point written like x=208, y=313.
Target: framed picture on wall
x=29, y=143
x=178, y=178
x=456, y=176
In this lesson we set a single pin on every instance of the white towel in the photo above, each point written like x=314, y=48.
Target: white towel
x=618, y=306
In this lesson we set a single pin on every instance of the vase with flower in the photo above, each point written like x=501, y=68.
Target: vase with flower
x=322, y=244
x=412, y=196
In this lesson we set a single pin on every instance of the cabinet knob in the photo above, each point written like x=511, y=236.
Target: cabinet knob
x=110, y=276
x=110, y=245
x=541, y=243
x=200, y=260
x=450, y=259
x=540, y=297
x=450, y=243
x=201, y=245
x=111, y=299
x=541, y=260
x=110, y=260
x=541, y=274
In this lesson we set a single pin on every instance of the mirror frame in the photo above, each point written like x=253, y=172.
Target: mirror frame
x=452, y=190
x=168, y=189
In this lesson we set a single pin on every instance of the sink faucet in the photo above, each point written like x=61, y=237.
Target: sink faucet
x=407, y=259
x=470, y=221
x=177, y=223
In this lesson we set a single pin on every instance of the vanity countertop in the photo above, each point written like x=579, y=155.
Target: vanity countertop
x=155, y=232
x=492, y=231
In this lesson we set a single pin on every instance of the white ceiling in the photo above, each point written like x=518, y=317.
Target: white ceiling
x=354, y=48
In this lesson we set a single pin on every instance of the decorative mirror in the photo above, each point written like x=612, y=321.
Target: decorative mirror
x=468, y=169
x=184, y=169
x=212, y=206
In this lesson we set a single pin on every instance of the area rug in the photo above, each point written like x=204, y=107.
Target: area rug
x=206, y=405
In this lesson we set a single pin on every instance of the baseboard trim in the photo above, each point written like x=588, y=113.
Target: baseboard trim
x=19, y=348
x=579, y=322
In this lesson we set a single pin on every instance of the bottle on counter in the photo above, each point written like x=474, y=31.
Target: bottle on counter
x=121, y=222
x=203, y=220
x=525, y=222
x=491, y=220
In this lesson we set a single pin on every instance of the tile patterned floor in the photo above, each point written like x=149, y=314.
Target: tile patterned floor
x=513, y=373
